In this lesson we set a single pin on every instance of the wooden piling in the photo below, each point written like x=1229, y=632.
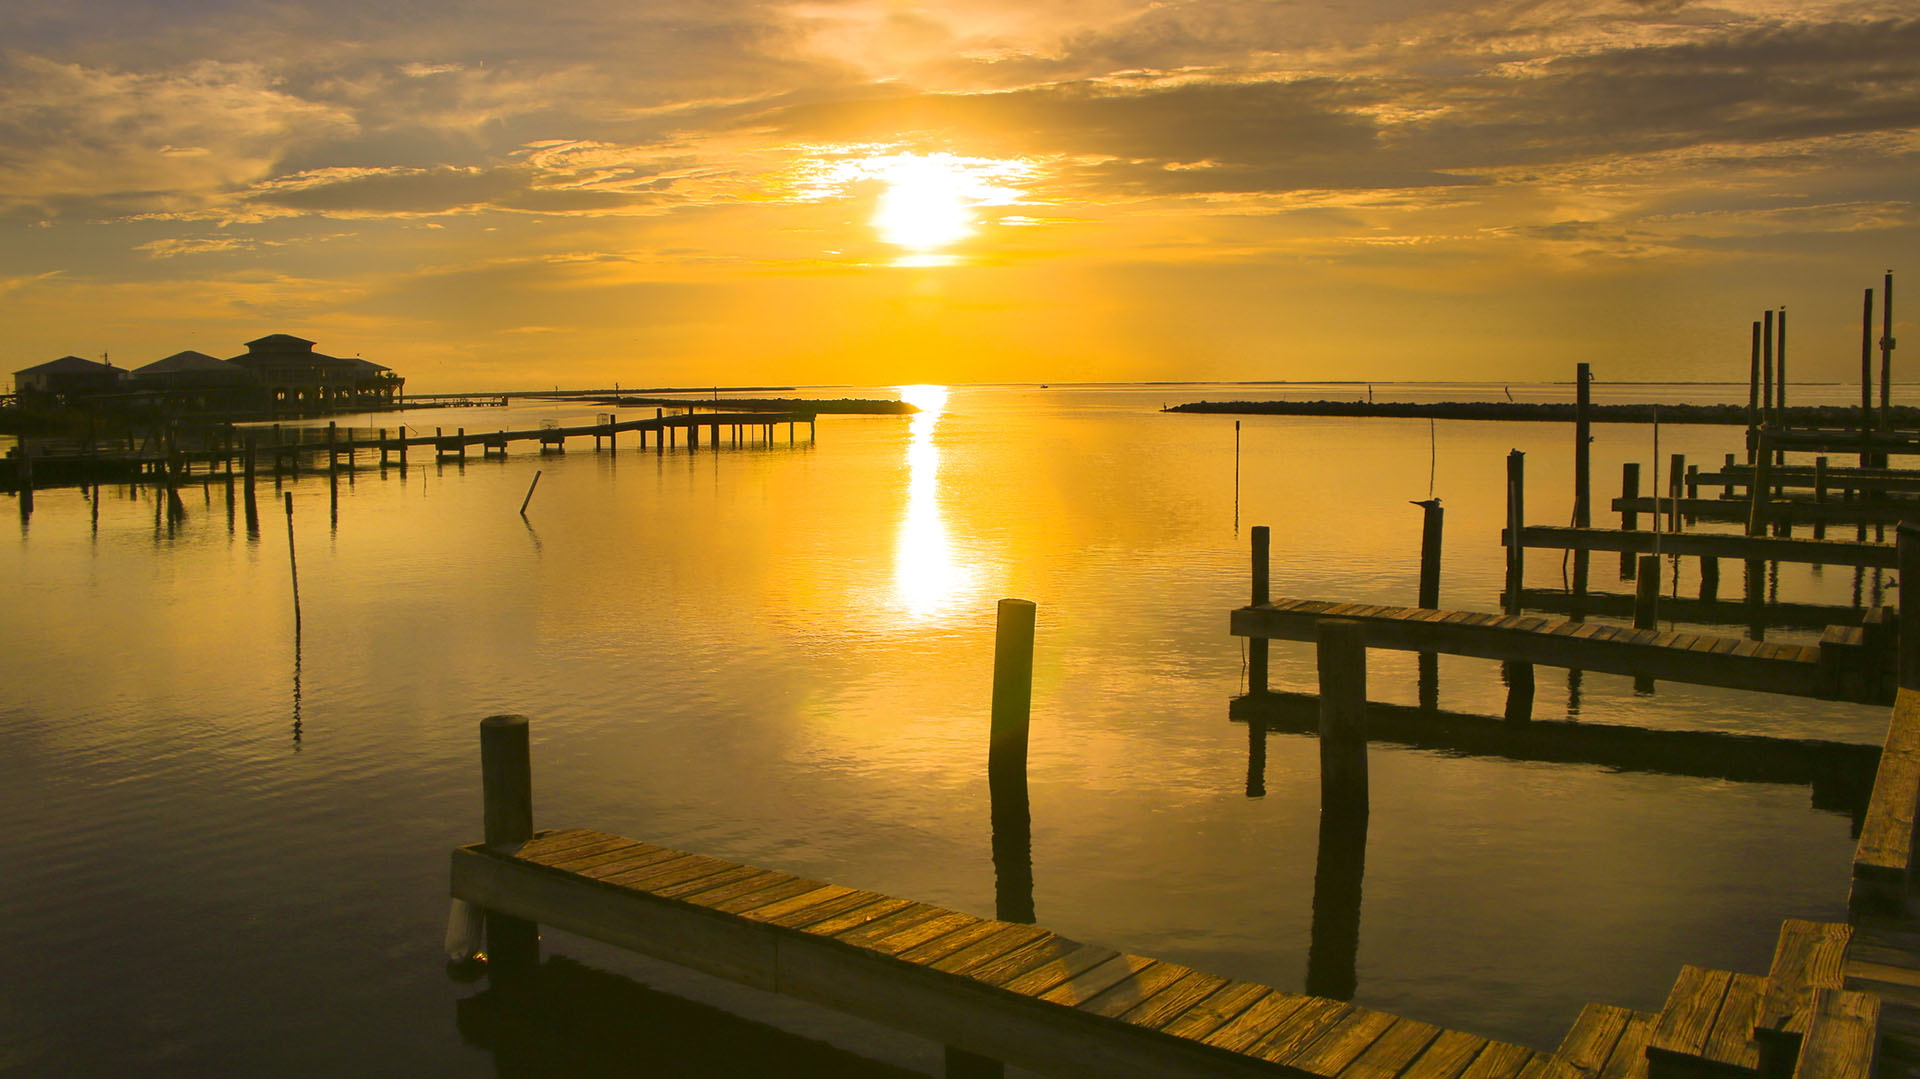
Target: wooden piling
x=506, y=795
x=1866, y=369
x=1519, y=692
x=1753, y=392
x=1819, y=494
x=1709, y=578
x=1012, y=688
x=1886, y=351
x=333, y=455
x=463, y=443
x=1767, y=413
x=1629, y=518
x=529, y=499
x=1780, y=363
x=1582, y=467
x=252, y=460
x=1516, y=520
x=293, y=564
x=1676, y=482
x=1257, y=649
x=1908, y=534
x=1726, y=491
x=1341, y=647
x=1432, y=518
x=1646, y=594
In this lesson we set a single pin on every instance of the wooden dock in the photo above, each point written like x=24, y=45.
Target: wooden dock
x=1014, y=993
x=1841, y=667
x=1709, y=545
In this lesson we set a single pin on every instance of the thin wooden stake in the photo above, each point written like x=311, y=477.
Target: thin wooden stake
x=530, y=487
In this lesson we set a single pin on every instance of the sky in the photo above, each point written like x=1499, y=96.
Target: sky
x=500, y=194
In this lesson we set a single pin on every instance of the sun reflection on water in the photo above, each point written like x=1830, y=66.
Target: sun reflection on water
x=927, y=577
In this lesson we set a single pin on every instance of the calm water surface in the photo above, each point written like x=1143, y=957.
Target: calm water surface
x=227, y=852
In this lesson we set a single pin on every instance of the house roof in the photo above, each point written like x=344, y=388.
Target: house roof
x=70, y=365
x=186, y=361
x=280, y=342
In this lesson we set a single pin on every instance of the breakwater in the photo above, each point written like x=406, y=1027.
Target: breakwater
x=1551, y=412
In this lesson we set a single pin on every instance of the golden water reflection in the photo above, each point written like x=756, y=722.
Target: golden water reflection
x=928, y=579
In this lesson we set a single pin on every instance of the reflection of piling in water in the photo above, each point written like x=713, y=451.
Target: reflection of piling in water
x=1256, y=759
x=1343, y=809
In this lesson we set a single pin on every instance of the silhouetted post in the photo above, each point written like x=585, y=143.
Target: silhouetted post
x=1780, y=367
x=1257, y=646
x=1676, y=483
x=402, y=435
x=1866, y=369
x=1342, y=653
x=1582, y=468
x=693, y=433
x=1886, y=352
x=1012, y=688
x=1726, y=469
x=1908, y=539
x=506, y=797
x=1819, y=495
x=1709, y=578
x=1629, y=517
x=463, y=443
x=527, y=500
x=1753, y=392
x=333, y=455
x=1760, y=481
x=1431, y=521
x=1516, y=517
x=293, y=564
x=613, y=431
x=1256, y=757
x=1766, y=368
x=1646, y=594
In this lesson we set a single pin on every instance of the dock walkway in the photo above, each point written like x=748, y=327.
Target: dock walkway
x=1843, y=666
x=1010, y=992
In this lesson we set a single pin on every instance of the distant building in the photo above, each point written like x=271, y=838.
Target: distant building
x=298, y=379
x=66, y=381
x=195, y=381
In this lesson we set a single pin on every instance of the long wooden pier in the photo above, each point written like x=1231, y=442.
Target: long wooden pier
x=1709, y=545
x=1841, y=667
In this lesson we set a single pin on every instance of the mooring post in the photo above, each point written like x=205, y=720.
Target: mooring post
x=1341, y=647
x=26, y=478
x=1257, y=646
x=506, y=798
x=1516, y=517
x=1709, y=578
x=1012, y=688
x=613, y=431
x=1582, y=468
x=1907, y=537
x=293, y=564
x=1753, y=393
x=1431, y=521
x=529, y=499
x=1646, y=594
x=1866, y=368
x=1819, y=495
x=1629, y=517
x=463, y=443
x=1886, y=352
x=333, y=455
x=1780, y=366
x=1676, y=482
x=1766, y=367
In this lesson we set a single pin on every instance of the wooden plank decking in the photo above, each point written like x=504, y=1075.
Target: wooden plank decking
x=1015, y=993
x=1700, y=659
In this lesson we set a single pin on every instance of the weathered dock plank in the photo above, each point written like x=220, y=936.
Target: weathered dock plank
x=1017, y=993
x=1883, y=857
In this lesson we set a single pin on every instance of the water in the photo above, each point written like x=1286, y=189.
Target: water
x=227, y=855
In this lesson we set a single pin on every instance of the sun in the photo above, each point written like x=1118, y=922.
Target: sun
x=926, y=205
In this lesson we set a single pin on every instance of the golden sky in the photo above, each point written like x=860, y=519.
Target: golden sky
x=498, y=194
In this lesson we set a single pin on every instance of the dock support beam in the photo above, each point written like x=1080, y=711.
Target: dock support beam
x=1257, y=646
x=506, y=792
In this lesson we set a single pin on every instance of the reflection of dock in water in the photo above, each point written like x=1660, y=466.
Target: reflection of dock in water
x=569, y=1020
x=1839, y=773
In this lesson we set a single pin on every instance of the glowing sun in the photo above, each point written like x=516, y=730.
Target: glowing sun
x=927, y=204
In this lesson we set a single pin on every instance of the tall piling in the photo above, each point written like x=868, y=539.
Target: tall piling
x=1908, y=540
x=1886, y=352
x=1629, y=517
x=1866, y=369
x=1257, y=646
x=1582, y=468
x=506, y=797
x=1516, y=519
x=1341, y=651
